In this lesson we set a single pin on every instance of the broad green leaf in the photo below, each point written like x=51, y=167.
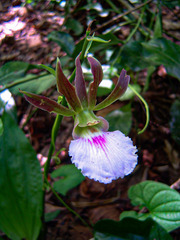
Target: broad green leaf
x=175, y=121
x=133, y=214
x=70, y=177
x=163, y=51
x=74, y=25
x=51, y=215
x=20, y=183
x=132, y=56
x=64, y=40
x=11, y=71
x=162, y=202
x=120, y=119
x=156, y=52
x=1, y=127
x=34, y=83
x=171, y=3
x=129, y=229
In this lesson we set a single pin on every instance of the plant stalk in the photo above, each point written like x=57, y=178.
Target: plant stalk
x=54, y=134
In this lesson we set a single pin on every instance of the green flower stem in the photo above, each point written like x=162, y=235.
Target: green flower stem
x=146, y=107
x=54, y=134
x=67, y=207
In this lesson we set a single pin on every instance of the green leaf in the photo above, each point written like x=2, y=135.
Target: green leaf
x=129, y=229
x=158, y=27
x=70, y=178
x=34, y=83
x=162, y=202
x=14, y=70
x=1, y=127
x=47, y=68
x=97, y=39
x=133, y=56
x=156, y=52
x=74, y=25
x=120, y=119
x=163, y=51
x=171, y=3
x=133, y=214
x=64, y=40
x=51, y=215
x=175, y=121
x=20, y=183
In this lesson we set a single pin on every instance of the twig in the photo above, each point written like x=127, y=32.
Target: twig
x=118, y=17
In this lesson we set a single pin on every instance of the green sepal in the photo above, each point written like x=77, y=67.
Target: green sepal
x=67, y=89
x=118, y=91
x=97, y=72
x=47, y=104
x=80, y=84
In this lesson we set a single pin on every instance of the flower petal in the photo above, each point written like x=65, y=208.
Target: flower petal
x=80, y=84
x=66, y=88
x=47, y=104
x=118, y=91
x=98, y=76
x=104, y=156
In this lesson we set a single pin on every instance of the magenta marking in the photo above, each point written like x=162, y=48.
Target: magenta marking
x=99, y=141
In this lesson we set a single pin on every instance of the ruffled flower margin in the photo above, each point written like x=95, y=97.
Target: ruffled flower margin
x=104, y=156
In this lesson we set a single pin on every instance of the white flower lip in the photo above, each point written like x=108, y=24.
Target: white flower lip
x=104, y=156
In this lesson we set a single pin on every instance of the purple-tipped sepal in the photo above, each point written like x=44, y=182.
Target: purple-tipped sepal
x=117, y=92
x=67, y=89
x=47, y=104
x=80, y=85
x=97, y=72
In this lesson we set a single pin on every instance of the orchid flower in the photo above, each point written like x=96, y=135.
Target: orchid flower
x=101, y=155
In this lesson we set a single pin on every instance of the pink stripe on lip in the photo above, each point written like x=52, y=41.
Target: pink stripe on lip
x=98, y=142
